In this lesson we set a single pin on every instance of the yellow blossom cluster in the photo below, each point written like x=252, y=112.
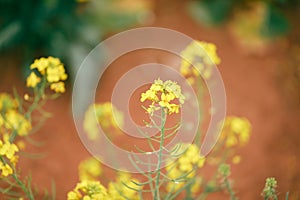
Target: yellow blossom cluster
x=105, y=114
x=89, y=169
x=124, y=188
x=52, y=70
x=185, y=167
x=11, y=120
x=236, y=131
x=88, y=190
x=8, y=157
x=198, y=58
x=163, y=94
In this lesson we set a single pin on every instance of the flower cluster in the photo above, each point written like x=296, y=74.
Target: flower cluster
x=185, y=167
x=11, y=120
x=51, y=70
x=236, y=131
x=163, y=94
x=198, y=58
x=269, y=191
x=8, y=156
x=124, y=188
x=106, y=114
x=89, y=169
x=88, y=190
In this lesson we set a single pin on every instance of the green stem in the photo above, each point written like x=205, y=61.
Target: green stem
x=228, y=186
x=160, y=154
x=23, y=187
x=200, y=97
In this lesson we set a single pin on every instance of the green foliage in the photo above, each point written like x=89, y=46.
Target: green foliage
x=215, y=12
x=275, y=23
x=67, y=29
x=212, y=12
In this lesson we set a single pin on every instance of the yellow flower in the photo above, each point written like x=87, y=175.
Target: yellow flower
x=198, y=58
x=7, y=102
x=7, y=149
x=56, y=73
x=163, y=94
x=86, y=190
x=40, y=64
x=122, y=187
x=6, y=169
x=184, y=167
x=32, y=80
x=52, y=69
x=90, y=169
x=106, y=114
x=236, y=159
x=196, y=186
x=236, y=131
x=16, y=121
x=58, y=87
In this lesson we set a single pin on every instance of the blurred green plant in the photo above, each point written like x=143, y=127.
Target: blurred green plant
x=63, y=29
x=215, y=12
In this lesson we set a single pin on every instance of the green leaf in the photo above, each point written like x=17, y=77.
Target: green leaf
x=212, y=12
x=275, y=23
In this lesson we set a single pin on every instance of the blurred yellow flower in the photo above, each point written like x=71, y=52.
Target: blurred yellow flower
x=7, y=149
x=89, y=169
x=184, y=167
x=40, y=64
x=58, y=87
x=88, y=190
x=236, y=131
x=32, y=80
x=236, y=159
x=6, y=170
x=56, y=73
x=8, y=155
x=198, y=58
x=106, y=114
x=124, y=188
x=7, y=102
x=15, y=121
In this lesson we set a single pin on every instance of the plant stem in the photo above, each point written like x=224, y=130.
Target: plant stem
x=200, y=98
x=227, y=184
x=23, y=186
x=160, y=154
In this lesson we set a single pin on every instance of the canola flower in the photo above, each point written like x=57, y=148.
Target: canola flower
x=8, y=157
x=121, y=189
x=184, y=168
x=7, y=102
x=198, y=58
x=88, y=190
x=163, y=94
x=105, y=114
x=52, y=70
x=10, y=119
x=33, y=80
x=89, y=169
x=236, y=131
x=16, y=121
x=124, y=188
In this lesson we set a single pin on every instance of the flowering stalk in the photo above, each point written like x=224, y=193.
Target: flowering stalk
x=160, y=152
x=16, y=120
